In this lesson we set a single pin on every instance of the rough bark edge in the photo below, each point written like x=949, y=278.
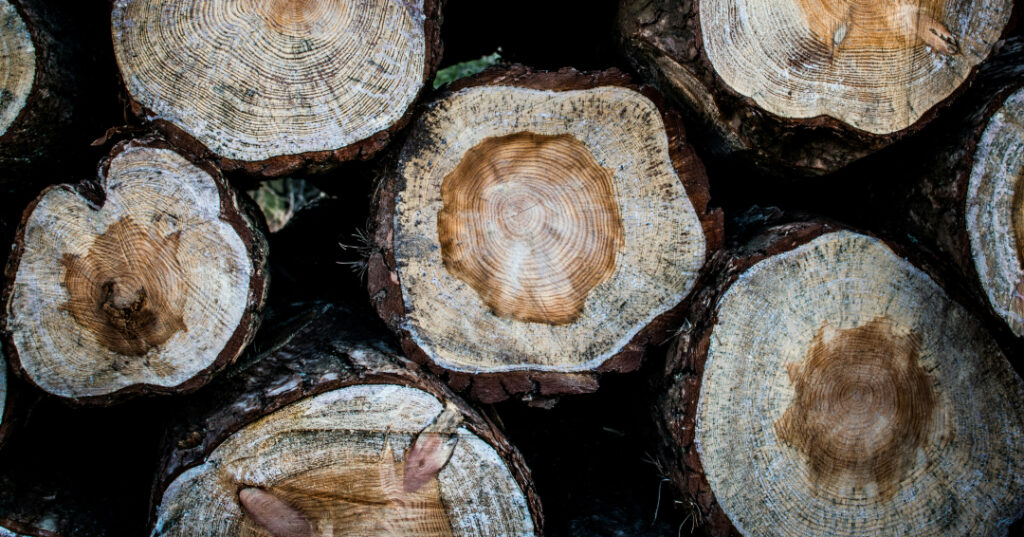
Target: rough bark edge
x=758, y=129
x=236, y=209
x=315, y=161
x=536, y=387
x=757, y=235
x=46, y=120
x=240, y=398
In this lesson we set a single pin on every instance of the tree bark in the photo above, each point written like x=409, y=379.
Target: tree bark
x=820, y=376
x=42, y=112
x=268, y=121
x=808, y=95
x=149, y=280
x=509, y=251
x=329, y=355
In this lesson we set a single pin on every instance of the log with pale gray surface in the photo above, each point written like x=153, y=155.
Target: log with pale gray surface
x=272, y=87
x=827, y=384
x=149, y=280
x=809, y=86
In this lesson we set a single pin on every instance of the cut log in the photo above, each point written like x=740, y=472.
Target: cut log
x=272, y=87
x=995, y=209
x=841, y=392
x=809, y=86
x=149, y=280
x=537, y=229
x=40, y=87
x=330, y=432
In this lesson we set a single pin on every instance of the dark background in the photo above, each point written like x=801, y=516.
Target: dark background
x=592, y=456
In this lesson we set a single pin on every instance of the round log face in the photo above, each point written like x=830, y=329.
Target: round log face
x=148, y=288
x=563, y=228
x=17, y=64
x=995, y=211
x=333, y=465
x=845, y=393
x=875, y=65
x=255, y=79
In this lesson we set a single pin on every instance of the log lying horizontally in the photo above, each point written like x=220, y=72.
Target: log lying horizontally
x=40, y=87
x=841, y=392
x=329, y=432
x=150, y=279
x=810, y=85
x=534, y=229
x=274, y=86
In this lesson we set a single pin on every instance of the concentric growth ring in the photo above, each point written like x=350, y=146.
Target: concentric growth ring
x=877, y=65
x=531, y=223
x=845, y=393
x=253, y=79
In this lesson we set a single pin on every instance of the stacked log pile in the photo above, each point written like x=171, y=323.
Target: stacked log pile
x=623, y=268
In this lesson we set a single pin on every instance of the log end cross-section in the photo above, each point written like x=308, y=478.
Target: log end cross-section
x=151, y=279
x=273, y=86
x=843, y=392
x=536, y=228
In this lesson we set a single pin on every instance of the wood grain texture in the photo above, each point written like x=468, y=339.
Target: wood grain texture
x=151, y=279
x=17, y=65
x=45, y=106
x=807, y=88
x=851, y=405
x=301, y=83
x=463, y=325
x=324, y=421
x=994, y=205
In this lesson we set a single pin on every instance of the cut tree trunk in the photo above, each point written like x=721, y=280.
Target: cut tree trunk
x=959, y=193
x=537, y=229
x=330, y=432
x=40, y=88
x=149, y=280
x=299, y=84
x=809, y=86
x=826, y=385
